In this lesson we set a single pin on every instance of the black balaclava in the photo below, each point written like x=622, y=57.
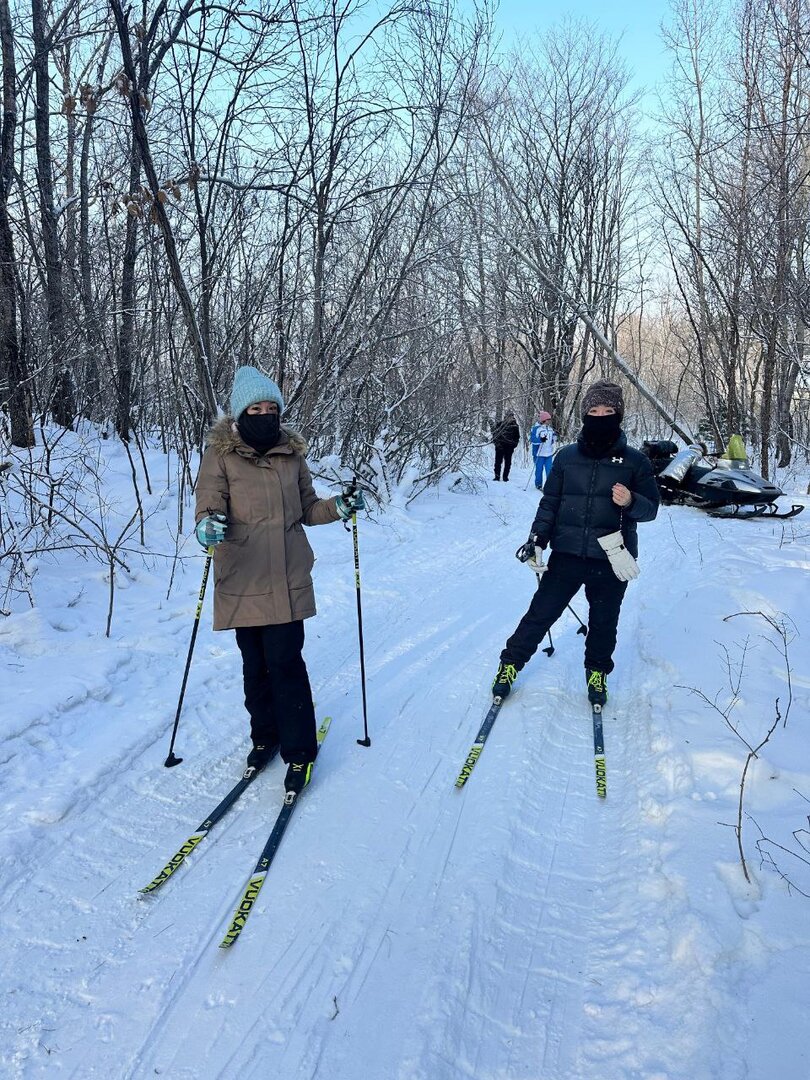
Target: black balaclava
x=599, y=433
x=259, y=430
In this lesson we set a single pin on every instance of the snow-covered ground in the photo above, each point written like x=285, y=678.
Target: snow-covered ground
x=519, y=929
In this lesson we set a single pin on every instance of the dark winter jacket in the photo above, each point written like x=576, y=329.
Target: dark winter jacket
x=577, y=504
x=506, y=433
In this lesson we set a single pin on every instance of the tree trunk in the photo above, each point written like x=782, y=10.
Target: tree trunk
x=316, y=340
x=126, y=335
x=201, y=359
x=92, y=329
x=62, y=401
x=14, y=386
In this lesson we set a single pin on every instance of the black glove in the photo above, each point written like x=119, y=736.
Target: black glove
x=528, y=550
x=531, y=555
x=525, y=551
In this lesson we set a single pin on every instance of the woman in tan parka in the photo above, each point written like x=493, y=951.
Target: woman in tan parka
x=254, y=496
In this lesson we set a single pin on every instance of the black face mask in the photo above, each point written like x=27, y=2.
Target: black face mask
x=599, y=433
x=259, y=430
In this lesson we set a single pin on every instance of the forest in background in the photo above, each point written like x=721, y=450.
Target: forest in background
x=405, y=224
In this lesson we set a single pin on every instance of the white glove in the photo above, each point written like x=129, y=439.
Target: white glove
x=536, y=562
x=531, y=556
x=623, y=564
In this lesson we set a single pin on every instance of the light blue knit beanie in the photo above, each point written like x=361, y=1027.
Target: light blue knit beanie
x=251, y=385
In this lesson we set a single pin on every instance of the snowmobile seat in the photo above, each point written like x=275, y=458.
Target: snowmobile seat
x=659, y=448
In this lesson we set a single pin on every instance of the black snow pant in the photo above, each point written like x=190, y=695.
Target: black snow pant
x=277, y=691
x=558, y=585
x=503, y=456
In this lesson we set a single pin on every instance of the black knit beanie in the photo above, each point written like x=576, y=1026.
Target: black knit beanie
x=603, y=392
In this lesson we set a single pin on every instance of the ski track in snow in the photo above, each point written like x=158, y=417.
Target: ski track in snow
x=519, y=929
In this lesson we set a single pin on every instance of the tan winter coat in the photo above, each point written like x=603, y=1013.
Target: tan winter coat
x=262, y=570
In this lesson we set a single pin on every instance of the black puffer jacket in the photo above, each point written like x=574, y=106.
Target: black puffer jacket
x=506, y=433
x=577, y=504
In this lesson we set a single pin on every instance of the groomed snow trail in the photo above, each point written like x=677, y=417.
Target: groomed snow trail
x=520, y=929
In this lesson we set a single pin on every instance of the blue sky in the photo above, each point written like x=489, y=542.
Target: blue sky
x=637, y=22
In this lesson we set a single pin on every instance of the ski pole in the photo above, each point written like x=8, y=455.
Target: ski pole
x=172, y=758
x=583, y=629
x=350, y=490
x=549, y=649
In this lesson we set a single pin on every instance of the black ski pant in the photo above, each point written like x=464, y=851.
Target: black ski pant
x=503, y=457
x=277, y=691
x=565, y=575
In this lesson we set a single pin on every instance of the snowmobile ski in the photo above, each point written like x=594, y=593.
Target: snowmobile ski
x=599, y=752
x=478, y=745
x=256, y=881
x=219, y=812
x=756, y=510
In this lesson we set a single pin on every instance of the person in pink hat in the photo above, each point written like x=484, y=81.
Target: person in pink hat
x=544, y=441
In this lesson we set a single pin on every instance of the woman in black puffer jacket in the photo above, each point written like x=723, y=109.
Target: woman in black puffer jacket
x=598, y=489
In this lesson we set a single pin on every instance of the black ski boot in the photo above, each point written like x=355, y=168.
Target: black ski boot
x=596, y=682
x=260, y=755
x=297, y=778
x=504, y=677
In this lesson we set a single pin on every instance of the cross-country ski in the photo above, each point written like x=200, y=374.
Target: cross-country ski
x=219, y=811
x=478, y=745
x=259, y=874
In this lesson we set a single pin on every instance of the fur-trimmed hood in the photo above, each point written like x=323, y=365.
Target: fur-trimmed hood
x=224, y=437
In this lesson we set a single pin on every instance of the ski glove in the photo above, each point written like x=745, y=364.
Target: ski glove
x=532, y=555
x=622, y=562
x=350, y=503
x=211, y=530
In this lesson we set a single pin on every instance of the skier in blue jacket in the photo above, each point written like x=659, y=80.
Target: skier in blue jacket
x=544, y=440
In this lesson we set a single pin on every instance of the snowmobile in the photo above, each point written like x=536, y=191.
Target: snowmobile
x=725, y=487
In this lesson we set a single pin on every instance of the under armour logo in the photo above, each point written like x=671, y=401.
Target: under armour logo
x=617, y=460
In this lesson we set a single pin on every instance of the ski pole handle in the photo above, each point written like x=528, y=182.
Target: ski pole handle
x=349, y=502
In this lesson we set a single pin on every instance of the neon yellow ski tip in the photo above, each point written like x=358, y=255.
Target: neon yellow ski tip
x=469, y=764
x=601, y=777
x=176, y=860
x=245, y=905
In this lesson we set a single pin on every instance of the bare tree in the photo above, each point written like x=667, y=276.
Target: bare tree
x=14, y=379
x=138, y=89
x=62, y=395
x=733, y=191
